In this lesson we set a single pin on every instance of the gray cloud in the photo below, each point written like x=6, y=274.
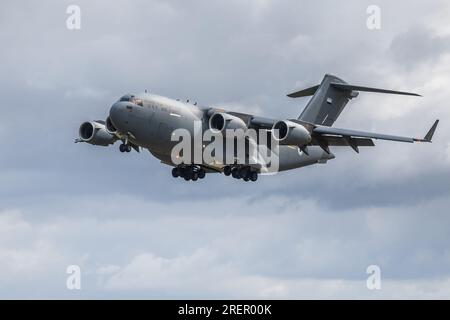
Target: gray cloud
x=132, y=227
x=417, y=46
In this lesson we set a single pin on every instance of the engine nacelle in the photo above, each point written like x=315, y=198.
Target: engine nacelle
x=219, y=122
x=291, y=133
x=109, y=126
x=95, y=133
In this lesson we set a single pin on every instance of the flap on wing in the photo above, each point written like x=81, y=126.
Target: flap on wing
x=359, y=134
x=341, y=141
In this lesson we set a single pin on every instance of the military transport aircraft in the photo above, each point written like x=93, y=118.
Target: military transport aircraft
x=148, y=121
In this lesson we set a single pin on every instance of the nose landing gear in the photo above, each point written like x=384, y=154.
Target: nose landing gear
x=191, y=172
x=125, y=148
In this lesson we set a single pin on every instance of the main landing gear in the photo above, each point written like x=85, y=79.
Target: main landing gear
x=244, y=173
x=189, y=172
x=125, y=148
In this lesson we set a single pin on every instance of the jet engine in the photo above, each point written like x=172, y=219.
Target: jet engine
x=95, y=133
x=291, y=133
x=219, y=122
x=109, y=126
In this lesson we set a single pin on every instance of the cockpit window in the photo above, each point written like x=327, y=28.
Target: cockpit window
x=127, y=97
x=132, y=99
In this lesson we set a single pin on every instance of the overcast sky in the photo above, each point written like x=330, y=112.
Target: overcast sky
x=138, y=233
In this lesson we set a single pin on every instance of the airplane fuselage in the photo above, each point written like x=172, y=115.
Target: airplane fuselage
x=152, y=120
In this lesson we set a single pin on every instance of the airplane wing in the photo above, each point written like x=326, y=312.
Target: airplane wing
x=326, y=136
x=321, y=130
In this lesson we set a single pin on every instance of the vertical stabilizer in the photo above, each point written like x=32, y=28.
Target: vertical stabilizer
x=327, y=102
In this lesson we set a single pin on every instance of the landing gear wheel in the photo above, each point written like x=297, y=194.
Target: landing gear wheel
x=187, y=178
x=201, y=173
x=175, y=173
x=122, y=148
x=194, y=176
x=128, y=148
x=242, y=173
x=227, y=171
x=254, y=176
x=235, y=173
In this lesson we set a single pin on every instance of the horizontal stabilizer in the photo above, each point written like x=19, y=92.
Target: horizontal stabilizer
x=304, y=93
x=349, y=87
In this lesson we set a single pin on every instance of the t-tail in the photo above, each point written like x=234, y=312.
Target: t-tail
x=330, y=98
x=328, y=101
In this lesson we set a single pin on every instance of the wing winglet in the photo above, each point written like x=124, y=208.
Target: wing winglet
x=430, y=133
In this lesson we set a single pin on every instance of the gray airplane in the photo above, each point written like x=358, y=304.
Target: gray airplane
x=148, y=121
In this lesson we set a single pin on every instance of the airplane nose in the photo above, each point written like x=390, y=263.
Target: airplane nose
x=117, y=114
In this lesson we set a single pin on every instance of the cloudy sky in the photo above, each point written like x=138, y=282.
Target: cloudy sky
x=136, y=232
